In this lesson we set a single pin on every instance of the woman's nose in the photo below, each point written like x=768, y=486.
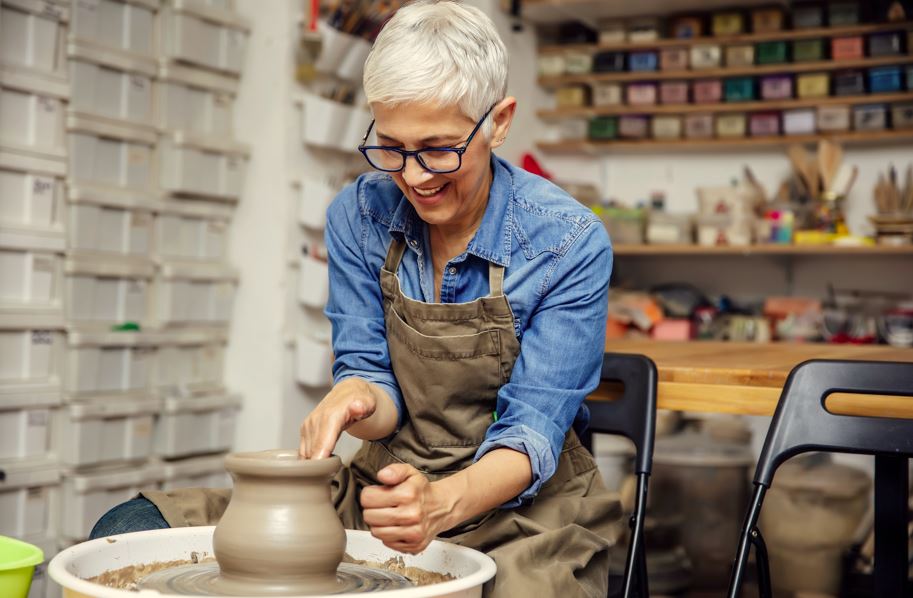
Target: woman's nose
x=413, y=173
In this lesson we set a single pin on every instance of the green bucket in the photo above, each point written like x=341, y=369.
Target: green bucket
x=17, y=564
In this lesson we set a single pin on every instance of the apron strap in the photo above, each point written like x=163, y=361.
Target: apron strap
x=495, y=279
x=394, y=255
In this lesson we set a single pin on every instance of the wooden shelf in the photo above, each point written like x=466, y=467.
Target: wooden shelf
x=756, y=70
x=753, y=106
x=652, y=145
x=747, y=38
x=760, y=250
x=554, y=11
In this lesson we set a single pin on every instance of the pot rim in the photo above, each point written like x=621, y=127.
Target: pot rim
x=283, y=462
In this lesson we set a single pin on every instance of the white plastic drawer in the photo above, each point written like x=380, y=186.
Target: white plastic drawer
x=109, y=229
x=31, y=192
x=195, y=101
x=86, y=497
x=32, y=113
x=313, y=361
x=106, y=431
x=116, y=25
x=190, y=363
x=25, y=425
x=33, y=34
x=108, y=292
x=204, y=36
x=109, y=364
x=192, y=166
x=196, y=426
x=111, y=156
x=195, y=294
x=111, y=86
x=313, y=281
x=31, y=264
x=192, y=232
x=313, y=198
x=31, y=360
x=196, y=472
x=42, y=586
x=28, y=496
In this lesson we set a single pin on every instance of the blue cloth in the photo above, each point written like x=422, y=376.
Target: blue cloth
x=135, y=515
x=558, y=260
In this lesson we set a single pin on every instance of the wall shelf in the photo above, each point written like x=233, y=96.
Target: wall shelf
x=747, y=38
x=761, y=250
x=764, y=105
x=755, y=70
x=745, y=143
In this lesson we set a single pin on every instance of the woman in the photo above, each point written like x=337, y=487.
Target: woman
x=468, y=301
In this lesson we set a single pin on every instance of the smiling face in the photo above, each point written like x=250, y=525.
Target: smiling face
x=456, y=199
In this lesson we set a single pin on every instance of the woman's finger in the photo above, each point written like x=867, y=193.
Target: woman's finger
x=392, y=516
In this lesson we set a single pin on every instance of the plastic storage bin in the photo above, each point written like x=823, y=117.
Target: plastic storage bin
x=664, y=228
x=195, y=294
x=196, y=472
x=105, y=228
x=190, y=363
x=31, y=358
x=108, y=291
x=123, y=25
x=322, y=120
x=32, y=272
x=195, y=101
x=202, y=167
x=313, y=281
x=28, y=499
x=88, y=496
x=117, y=157
x=32, y=113
x=196, y=426
x=313, y=361
x=42, y=587
x=109, y=364
x=111, y=86
x=189, y=230
x=31, y=192
x=107, y=431
x=25, y=425
x=314, y=198
x=800, y=121
x=205, y=36
x=33, y=36
x=344, y=55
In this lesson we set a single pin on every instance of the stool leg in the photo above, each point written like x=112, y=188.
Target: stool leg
x=763, y=564
x=636, y=562
x=745, y=541
x=891, y=515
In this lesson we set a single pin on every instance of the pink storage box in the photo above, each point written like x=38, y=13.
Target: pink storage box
x=708, y=91
x=673, y=92
x=641, y=94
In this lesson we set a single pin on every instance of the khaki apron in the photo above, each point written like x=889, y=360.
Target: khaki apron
x=450, y=360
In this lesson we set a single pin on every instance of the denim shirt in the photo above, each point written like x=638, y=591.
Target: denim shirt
x=557, y=260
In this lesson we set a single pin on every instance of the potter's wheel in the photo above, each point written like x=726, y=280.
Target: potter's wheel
x=204, y=579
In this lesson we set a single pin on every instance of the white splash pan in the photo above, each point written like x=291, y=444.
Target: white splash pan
x=73, y=565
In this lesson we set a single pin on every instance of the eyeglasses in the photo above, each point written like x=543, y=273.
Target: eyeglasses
x=439, y=160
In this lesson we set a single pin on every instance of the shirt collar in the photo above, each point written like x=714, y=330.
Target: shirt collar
x=492, y=241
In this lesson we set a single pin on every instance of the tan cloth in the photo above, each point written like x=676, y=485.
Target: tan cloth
x=450, y=360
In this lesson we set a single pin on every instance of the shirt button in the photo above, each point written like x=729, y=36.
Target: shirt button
x=452, y=270
x=413, y=242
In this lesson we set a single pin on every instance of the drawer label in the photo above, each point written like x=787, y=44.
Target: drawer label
x=42, y=337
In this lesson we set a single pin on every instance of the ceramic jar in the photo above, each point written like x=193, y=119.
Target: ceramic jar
x=280, y=532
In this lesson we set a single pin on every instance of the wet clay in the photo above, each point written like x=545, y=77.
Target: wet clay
x=416, y=575
x=127, y=578
x=280, y=533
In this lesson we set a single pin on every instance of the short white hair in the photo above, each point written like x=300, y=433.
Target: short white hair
x=438, y=51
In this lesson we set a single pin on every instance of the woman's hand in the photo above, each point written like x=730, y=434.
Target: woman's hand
x=408, y=511
x=353, y=404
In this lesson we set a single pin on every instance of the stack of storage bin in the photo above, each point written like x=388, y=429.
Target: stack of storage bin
x=33, y=97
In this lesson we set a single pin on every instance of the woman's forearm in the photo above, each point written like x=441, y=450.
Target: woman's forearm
x=383, y=421
x=496, y=478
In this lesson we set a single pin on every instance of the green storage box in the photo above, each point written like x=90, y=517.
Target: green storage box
x=808, y=50
x=603, y=127
x=842, y=14
x=771, y=52
x=739, y=89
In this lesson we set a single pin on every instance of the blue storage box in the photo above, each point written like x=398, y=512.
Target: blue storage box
x=885, y=79
x=643, y=61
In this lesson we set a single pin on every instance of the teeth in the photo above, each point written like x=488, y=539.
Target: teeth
x=428, y=192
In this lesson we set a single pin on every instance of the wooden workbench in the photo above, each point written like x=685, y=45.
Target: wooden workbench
x=746, y=378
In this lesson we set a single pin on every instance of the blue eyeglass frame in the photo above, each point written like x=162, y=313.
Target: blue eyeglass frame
x=459, y=151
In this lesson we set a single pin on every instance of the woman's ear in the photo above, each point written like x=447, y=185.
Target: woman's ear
x=502, y=116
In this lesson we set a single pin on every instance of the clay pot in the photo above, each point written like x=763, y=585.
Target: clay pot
x=280, y=533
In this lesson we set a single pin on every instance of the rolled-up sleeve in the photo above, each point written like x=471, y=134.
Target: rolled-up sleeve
x=355, y=306
x=560, y=359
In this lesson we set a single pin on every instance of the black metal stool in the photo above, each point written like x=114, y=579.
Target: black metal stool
x=803, y=424
x=633, y=416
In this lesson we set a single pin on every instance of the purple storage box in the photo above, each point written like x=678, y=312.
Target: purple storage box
x=764, y=124
x=776, y=87
x=633, y=126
